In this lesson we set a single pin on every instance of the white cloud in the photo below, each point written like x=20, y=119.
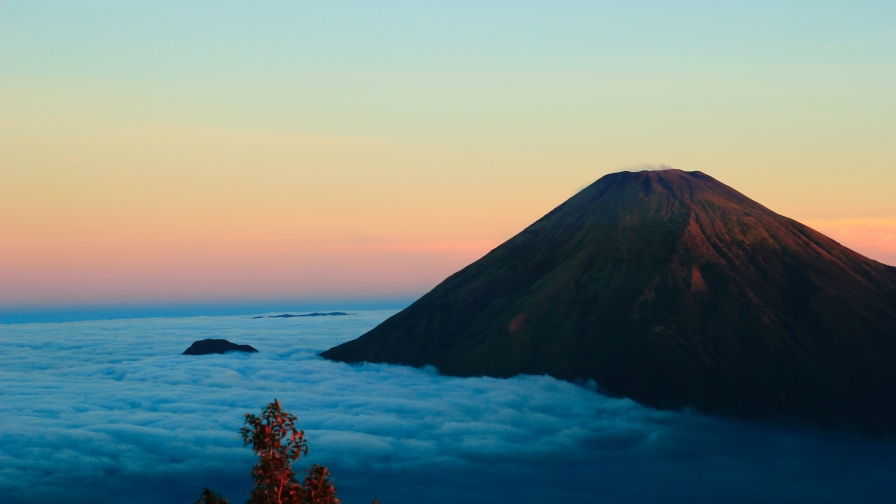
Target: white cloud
x=110, y=411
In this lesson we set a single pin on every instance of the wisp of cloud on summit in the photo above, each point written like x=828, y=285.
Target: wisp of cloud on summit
x=109, y=411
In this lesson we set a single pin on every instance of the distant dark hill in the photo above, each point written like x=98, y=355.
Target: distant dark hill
x=673, y=289
x=315, y=314
x=216, y=346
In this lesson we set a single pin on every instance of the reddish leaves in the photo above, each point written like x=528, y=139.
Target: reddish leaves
x=278, y=444
x=210, y=497
x=318, y=488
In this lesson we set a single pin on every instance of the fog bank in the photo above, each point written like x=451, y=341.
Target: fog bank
x=109, y=411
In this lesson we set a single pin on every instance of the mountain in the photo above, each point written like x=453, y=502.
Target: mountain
x=675, y=290
x=315, y=314
x=216, y=346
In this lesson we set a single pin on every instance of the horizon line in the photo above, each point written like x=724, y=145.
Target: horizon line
x=59, y=312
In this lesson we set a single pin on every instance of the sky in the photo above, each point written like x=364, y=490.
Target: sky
x=229, y=151
x=110, y=411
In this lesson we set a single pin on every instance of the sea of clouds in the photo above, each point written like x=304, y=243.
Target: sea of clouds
x=110, y=411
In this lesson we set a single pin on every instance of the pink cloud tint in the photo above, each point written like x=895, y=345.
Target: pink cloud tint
x=875, y=238
x=235, y=271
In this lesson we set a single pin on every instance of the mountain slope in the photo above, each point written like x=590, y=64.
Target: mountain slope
x=675, y=290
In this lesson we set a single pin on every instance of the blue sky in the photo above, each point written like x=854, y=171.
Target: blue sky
x=202, y=139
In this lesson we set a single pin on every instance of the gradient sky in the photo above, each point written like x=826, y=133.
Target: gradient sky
x=215, y=151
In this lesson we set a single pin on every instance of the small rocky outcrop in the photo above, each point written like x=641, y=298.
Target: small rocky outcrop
x=216, y=346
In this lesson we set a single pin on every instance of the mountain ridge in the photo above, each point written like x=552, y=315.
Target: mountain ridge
x=673, y=289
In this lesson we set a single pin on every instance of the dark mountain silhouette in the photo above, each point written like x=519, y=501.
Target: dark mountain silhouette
x=675, y=290
x=315, y=314
x=216, y=346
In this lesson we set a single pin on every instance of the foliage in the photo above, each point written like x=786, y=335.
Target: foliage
x=210, y=497
x=318, y=488
x=277, y=442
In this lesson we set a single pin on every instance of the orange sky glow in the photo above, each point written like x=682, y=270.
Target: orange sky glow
x=181, y=154
x=874, y=238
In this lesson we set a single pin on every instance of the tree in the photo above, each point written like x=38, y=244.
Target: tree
x=318, y=488
x=278, y=444
x=210, y=497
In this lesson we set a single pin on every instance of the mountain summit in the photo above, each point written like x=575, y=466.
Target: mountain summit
x=675, y=290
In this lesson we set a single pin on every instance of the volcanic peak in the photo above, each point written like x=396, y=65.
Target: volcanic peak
x=673, y=289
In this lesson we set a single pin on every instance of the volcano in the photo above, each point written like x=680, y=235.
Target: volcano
x=675, y=290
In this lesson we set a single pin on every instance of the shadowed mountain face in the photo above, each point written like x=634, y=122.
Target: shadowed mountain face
x=677, y=291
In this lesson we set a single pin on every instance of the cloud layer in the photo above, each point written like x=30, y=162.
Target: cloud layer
x=109, y=411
